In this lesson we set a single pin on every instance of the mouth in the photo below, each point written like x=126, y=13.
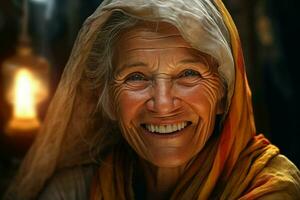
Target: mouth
x=165, y=129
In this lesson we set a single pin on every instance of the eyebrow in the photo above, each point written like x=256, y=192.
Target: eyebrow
x=131, y=65
x=194, y=61
x=188, y=61
x=141, y=64
x=135, y=64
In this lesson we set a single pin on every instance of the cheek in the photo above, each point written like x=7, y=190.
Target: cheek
x=203, y=98
x=128, y=104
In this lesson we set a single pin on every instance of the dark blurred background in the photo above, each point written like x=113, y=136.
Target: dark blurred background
x=269, y=31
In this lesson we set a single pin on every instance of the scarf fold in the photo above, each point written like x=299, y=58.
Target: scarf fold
x=113, y=180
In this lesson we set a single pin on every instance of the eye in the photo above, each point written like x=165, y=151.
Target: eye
x=189, y=73
x=135, y=77
x=189, y=77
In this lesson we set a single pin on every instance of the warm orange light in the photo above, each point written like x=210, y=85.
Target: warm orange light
x=24, y=100
x=24, y=89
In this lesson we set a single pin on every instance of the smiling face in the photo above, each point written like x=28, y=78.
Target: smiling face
x=165, y=94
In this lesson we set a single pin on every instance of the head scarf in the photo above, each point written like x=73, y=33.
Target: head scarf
x=65, y=139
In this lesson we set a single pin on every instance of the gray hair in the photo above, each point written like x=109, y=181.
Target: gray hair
x=100, y=69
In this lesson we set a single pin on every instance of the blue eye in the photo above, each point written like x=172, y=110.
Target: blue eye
x=190, y=73
x=136, y=77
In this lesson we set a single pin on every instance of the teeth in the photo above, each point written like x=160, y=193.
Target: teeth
x=162, y=129
x=182, y=125
x=166, y=128
x=169, y=128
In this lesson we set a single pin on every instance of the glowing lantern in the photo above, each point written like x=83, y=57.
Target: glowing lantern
x=26, y=85
x=26, y=79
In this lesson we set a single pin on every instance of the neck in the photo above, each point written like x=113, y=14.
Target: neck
x=161, y=181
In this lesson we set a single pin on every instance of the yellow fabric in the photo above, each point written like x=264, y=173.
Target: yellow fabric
x=232, y=162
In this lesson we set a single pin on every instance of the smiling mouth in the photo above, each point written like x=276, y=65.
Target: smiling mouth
x=166, y=129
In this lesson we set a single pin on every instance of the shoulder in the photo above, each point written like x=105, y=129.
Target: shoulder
x=285, y=171
x=71, y=183
x=285, y=178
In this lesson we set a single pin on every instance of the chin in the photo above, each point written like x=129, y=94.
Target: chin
x=170, y=161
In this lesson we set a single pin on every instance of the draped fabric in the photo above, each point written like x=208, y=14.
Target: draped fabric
x=229, y=167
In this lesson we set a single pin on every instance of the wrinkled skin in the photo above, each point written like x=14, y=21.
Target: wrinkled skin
x=160, y=79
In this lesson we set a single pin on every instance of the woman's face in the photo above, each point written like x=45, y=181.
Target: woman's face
x=165, y=95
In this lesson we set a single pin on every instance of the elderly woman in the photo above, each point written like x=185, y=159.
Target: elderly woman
x=154, y=104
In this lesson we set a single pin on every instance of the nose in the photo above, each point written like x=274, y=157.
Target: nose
x=163, y=100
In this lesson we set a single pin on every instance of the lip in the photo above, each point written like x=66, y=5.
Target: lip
x=165, y=135
x=165, y=122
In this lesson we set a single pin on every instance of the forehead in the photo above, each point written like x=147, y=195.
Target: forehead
x=151, y=36
x=150, y=43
